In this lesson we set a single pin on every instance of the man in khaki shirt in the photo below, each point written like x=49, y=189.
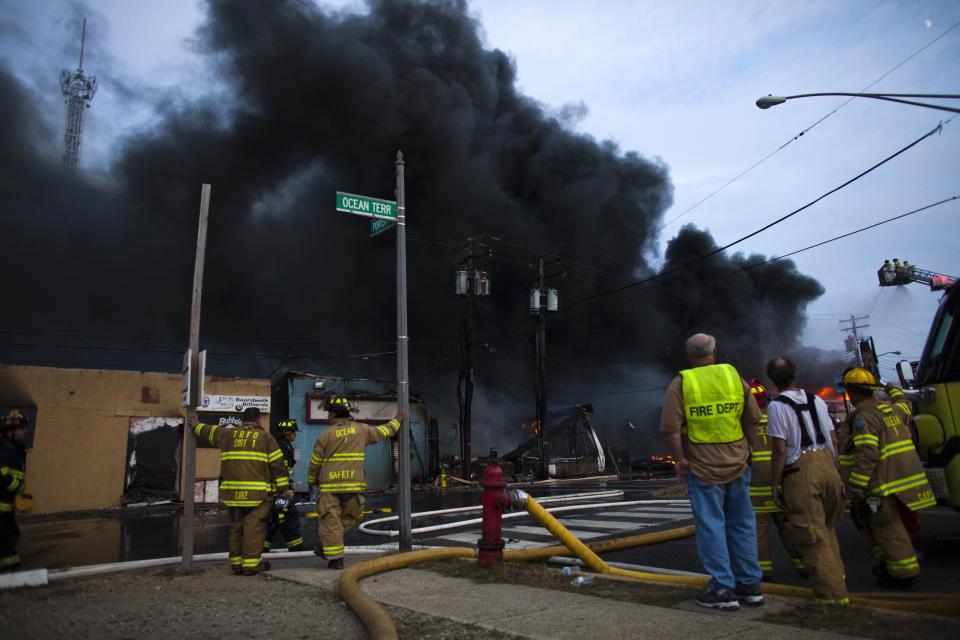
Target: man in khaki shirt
x=710, y=420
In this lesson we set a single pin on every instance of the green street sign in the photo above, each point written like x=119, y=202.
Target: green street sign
x=366, y=206
x=379, y=225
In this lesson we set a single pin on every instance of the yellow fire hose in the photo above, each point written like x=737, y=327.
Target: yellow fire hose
x=381, y=627
x=942, y=604
x=374, y=617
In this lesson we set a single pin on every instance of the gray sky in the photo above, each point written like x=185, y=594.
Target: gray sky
x=674, y=80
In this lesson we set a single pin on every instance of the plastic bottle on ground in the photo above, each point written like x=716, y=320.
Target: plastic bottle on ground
x=579, y=581
x=571, y=570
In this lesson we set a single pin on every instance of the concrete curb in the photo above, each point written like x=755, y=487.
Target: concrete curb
x=33, y=578
x=41, y=577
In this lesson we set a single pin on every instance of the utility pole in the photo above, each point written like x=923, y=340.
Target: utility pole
x=470, y=283
x=542, y=301
x=852, y=342
x=403, y=382
x=190, y=443
x=543, y=435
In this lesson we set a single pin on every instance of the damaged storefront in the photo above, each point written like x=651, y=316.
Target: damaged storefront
x=575, y=447
x=103, y=438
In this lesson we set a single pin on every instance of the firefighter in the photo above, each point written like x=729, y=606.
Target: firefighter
x=767, y=511
x=806, y=481
x=12, y=465
x=336, y=469
x=286, y=518
x=884, y=470
x=252, y=468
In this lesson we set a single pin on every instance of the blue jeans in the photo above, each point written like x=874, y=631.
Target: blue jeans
x=726, y=531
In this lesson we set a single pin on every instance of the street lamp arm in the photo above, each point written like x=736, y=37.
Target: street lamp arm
x=770, y=101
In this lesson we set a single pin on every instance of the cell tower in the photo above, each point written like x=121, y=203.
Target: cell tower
x=78, y=90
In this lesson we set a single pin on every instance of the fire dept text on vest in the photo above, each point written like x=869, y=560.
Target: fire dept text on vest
x=718, y=409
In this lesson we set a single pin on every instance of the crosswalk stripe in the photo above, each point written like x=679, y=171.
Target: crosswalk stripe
x=602, y=524
x=540, y=531
x=646, y=516
x=471, y=539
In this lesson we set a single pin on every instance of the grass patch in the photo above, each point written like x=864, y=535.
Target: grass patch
x=866, y=622
x=546, y=577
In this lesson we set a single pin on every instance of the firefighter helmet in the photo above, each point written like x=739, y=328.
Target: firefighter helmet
x=14, y=419
x=287, y=426
x=759, y=393
x=337, y=404
x=858, y=377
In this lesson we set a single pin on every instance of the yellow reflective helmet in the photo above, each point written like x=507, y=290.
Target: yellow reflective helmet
x=337, y=403
x=860, y=377
x=287, y=426
x=14, y=419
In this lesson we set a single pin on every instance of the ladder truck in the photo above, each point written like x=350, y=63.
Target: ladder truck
x=934, y=383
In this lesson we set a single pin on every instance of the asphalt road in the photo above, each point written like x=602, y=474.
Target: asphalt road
x=132, y=535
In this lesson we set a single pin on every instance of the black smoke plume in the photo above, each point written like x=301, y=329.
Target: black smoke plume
x=309, y=102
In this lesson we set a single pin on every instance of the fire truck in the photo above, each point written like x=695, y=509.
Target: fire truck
x=933, y=383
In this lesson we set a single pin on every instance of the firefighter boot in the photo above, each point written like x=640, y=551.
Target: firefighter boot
x=335, y=564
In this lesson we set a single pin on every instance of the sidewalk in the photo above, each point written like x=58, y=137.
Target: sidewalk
x=548, y=614
x=298, y=599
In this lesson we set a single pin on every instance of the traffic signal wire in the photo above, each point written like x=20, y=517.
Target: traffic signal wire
x=767, y=226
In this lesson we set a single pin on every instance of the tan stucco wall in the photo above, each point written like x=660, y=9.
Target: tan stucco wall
x=78, y=458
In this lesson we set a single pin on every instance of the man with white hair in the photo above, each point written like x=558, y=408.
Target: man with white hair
x=710, y=420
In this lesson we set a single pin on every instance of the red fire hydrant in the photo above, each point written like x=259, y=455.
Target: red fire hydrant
x=495, y=501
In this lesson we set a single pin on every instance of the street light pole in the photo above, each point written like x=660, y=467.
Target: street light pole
x=771, y=101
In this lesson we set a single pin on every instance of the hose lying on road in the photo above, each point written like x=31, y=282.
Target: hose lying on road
x=381, y=626
x=943, y=604
x=377, y=621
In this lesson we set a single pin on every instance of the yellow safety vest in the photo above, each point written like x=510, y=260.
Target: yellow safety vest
x=712, y=404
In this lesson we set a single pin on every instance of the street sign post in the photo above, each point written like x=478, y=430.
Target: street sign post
x=366, y=206
x=386, y=214
x=379, y=225
x=403, y=380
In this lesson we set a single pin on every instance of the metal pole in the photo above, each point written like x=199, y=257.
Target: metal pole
x=403, y=383
x=542, y=379
x=190, y=443
x=466, y=452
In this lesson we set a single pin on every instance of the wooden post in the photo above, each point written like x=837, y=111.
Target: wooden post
x=190, y=442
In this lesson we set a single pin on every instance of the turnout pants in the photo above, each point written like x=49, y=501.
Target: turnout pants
x=287, y=523
x=813, y=496
x=248, y=529
x=9, y=536
x=336, y=513
x=764, y=545
x=889, y=538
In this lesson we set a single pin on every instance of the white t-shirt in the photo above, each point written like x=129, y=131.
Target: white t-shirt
x=782, y=423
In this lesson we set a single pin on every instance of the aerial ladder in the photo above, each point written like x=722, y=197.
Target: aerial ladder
x=896, y=273
x=933, y=383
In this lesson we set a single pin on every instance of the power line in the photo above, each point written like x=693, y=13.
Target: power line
x=637, y=283
x=853, y=233
x=797, y=137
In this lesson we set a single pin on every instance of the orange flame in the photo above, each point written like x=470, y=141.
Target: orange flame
x=831, y=394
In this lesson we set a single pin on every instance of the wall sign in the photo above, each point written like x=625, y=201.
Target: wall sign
x=234, y=403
